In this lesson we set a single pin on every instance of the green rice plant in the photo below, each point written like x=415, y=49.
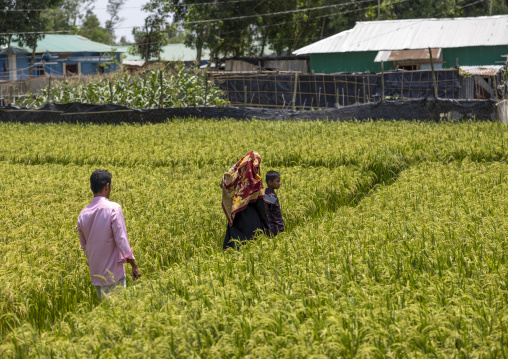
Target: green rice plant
x=162, y=222
x=384, y=148
x=394, y=243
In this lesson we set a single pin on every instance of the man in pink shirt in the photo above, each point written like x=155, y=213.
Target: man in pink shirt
x=103, y=237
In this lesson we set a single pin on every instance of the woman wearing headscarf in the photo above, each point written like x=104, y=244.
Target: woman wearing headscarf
x=242, y=200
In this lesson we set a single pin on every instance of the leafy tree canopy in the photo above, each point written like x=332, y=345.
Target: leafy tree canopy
x=92, y=29
x=248, y=27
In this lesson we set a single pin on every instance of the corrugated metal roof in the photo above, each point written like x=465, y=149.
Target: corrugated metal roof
x=126, y=55
x=487, y=70
x=404, y=55
x=172, y=52
x=179, y=52
x=137, y=63
x=14, y=50
x=415, y=34
x=67, y=43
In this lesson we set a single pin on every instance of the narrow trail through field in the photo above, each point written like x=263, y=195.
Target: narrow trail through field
x=378, y=175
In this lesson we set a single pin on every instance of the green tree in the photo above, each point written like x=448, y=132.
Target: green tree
x=499, y=7
x=229, y=28
x=291, y=30
x=123, y=41
x=151, y=37
x=92, y=29
x=113, y=9
x=21, y=20
x=393, y=9
x=248, y=28
x=67, y=16
x=10, y=22
x=177, y=37
x=223, y=38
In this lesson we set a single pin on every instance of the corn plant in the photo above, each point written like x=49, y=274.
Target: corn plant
x=156, y=87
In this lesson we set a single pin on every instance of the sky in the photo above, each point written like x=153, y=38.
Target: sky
x=131, y=13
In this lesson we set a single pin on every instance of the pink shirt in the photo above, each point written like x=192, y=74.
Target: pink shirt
x=103, y=237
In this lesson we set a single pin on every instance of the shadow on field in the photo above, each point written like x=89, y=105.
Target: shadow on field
x=329, y=200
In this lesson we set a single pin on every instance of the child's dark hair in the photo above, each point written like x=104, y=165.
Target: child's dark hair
x=272, y=175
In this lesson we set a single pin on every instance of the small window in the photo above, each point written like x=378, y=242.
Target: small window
x=65, y=54
x=39, y=70
x=408, y=67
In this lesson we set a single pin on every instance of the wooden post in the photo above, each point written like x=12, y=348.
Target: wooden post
x=49, y=88
x=382, y=80
x=347, y=93
x=495, y=88
x=300, y=95
x=502, y=111
x=276, y=94
x=505, y=94
x=357, y=91
x=411, y=84
x=245, y=95
x=369, y=91
x=368, y=87
x=110, y=92
x=257, y=81
x=324, y=90
x=364, y=94
x=161, y=97
x=433, y=74
x=294, y=91
x=206, y=90
x=402, y=86
x=315, y=88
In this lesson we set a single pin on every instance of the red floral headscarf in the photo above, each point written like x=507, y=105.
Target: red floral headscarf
x=241, y=185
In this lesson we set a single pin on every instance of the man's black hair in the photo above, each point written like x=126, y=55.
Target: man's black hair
x=272, y=175
x=99, y=179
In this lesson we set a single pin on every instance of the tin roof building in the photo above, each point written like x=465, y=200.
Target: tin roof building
x=58, y=55
x=468, y=41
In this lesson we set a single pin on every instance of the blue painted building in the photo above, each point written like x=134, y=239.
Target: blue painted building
x=59, y=56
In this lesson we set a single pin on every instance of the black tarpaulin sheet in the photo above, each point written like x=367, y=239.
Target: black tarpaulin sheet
x=422, y=109
x=419, y=84
x=307, y=91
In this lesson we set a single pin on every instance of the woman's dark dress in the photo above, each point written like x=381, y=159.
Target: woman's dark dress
x=246, y=223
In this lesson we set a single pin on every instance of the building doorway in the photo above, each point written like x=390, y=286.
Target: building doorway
x=71, y=69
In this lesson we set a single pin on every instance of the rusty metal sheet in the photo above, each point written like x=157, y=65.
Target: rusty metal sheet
x=418, y=55
x=487, y=70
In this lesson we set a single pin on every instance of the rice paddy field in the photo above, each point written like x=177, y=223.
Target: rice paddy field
x=395, y=242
